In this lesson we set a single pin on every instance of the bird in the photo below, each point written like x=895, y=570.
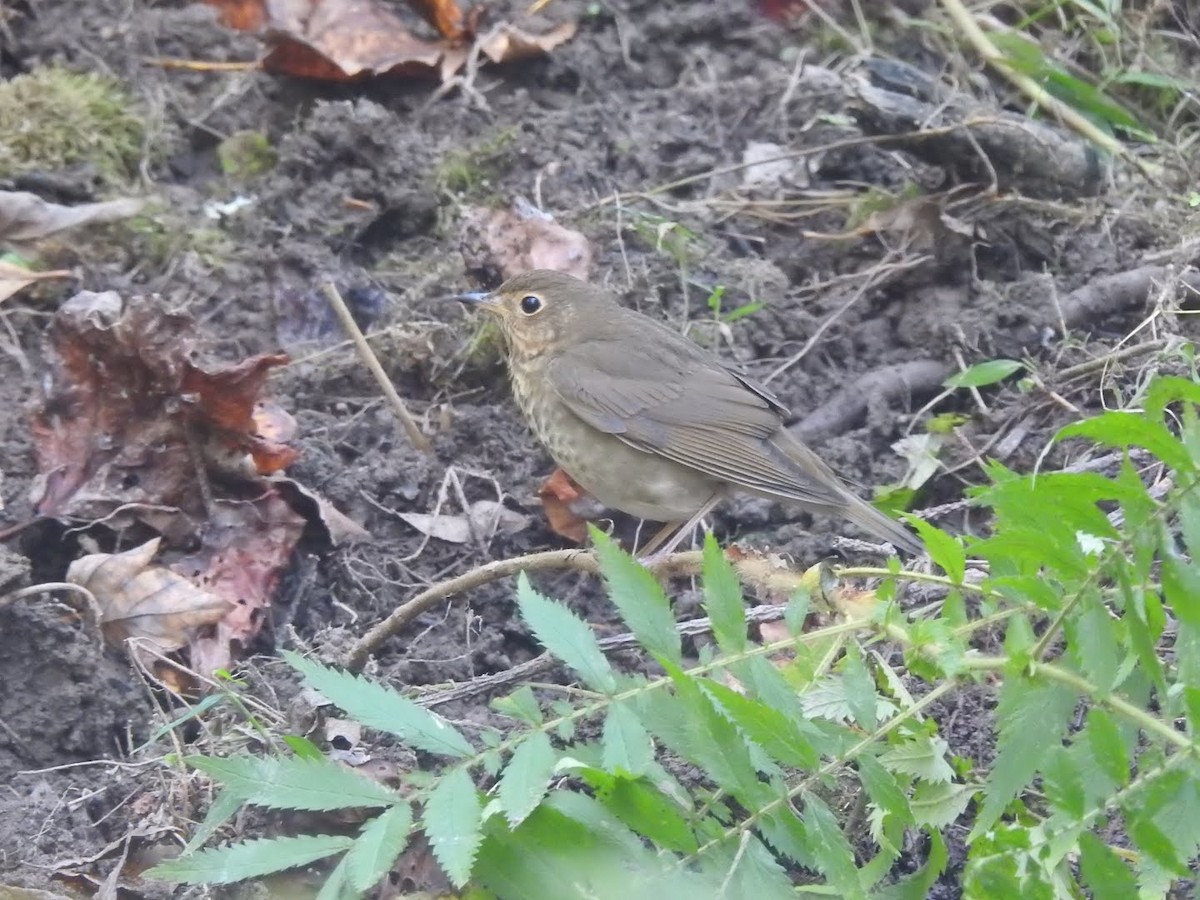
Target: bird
x=649, y=422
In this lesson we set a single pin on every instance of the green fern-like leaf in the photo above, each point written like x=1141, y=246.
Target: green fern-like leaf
x=295, y=783
x=1032, y=716
x=251, y=859
x=939, y=804
x=378, y=707
x=641, y=807
x=723, y=598
x=382, y=840
x=627, y=746
x=778, y=734
x=526, y=777
x=566, y=636
x=452, y=821
x=1103, y=871
x=830, y=849
x=639, y=598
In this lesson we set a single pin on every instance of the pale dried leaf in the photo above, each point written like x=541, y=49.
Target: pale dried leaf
x=13, y=278
x=524, y=237
x=140, y=600
x=27, y=217
x=487, y=518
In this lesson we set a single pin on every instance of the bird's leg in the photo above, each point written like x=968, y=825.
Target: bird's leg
x=653, y=554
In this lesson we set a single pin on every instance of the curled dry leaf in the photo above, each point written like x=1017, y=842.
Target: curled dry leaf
x=26, y=217
x=128, y=415
x=501, y=243
x=141, y=600
x=341, y=40
x=560, y=497
x=338, y=528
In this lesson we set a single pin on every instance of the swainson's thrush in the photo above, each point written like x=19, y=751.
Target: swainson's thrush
x=649, y=422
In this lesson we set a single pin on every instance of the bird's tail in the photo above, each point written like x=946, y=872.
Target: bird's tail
x=823, y=490
x=868, y=518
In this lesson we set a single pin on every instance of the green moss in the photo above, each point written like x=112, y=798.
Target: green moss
x=52, y=118
x=467, y=173
x=246, y=154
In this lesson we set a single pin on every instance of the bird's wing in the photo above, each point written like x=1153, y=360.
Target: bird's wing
x=682, y=404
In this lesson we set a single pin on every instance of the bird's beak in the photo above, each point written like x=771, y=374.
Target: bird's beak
x=483, y=299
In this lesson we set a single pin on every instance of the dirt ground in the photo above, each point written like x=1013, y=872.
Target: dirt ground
x=645, y=94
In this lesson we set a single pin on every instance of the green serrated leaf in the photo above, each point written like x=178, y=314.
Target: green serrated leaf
x=919, y=886
x=639, y=597
x=566, y=636
x=378, y=845
x=861, y=695
x=944, y=549
x=295, y=783
x=1032, y=717
x=1126, y=429
x=831, y=850
x=778, y=734
x=1092, y=638
x=1107, y=745
x=224, y=808
x=883, y=789
x=452, y=822
x=527, y=777
x=250, y=859
x=940, y=804
x=982, y=374
x=1103, y=871
x=627, y=746
x=922, y=756
x=303, y=747
x=636, y=802
x=723, y=598
x=522, y=705
x=690, y=726
x=382, y=708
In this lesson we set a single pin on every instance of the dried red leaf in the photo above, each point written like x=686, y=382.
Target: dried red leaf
x=246, y=547
x=128, y=415
x=558, y=493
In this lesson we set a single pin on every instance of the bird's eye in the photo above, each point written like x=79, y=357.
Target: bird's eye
x=530, y=304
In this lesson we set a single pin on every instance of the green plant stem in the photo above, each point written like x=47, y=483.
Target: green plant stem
x=828, y=769
x=1148, y=723
x=909, y=575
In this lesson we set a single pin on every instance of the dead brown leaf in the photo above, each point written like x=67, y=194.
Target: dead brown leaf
x=14, y=278
x=341, y=40
x=26, y=217
x=506, y=242
x=129, y=417
x=558, y=494
x=141, y=600
x=246, y=547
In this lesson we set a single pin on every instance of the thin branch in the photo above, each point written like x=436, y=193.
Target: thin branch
x=371, y=361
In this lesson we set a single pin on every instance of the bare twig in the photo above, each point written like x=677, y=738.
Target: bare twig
x=371, y=361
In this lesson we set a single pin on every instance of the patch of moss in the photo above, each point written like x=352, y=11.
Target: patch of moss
x=52, y=118
x=246, y=154
x=466, y=173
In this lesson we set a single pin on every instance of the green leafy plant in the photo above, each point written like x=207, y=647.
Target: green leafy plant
x=716, y=302
x=806, y=762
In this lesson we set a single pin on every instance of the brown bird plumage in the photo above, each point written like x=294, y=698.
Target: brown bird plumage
x=648, y=422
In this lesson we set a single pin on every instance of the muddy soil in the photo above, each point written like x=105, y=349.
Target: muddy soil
x=645, y=94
